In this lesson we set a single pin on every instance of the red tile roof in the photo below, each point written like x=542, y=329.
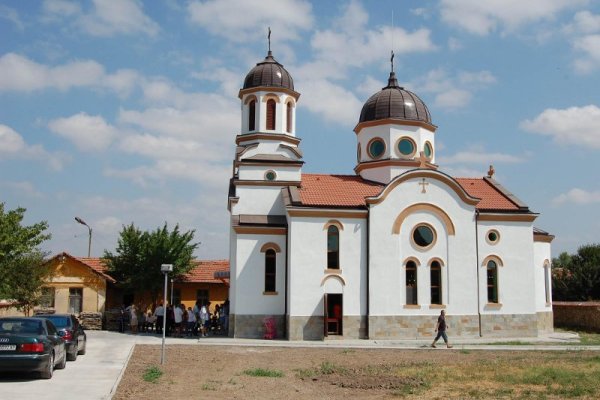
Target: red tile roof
x=204, y=271
x=97, y=265
x=336, y=190
x=321, y=190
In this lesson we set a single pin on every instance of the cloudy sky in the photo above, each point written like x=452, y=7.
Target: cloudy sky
x=126, y=111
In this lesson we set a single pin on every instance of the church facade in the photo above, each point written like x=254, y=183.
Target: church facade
x=378, y=253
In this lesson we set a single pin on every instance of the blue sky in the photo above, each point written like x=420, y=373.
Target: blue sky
x=126, y=111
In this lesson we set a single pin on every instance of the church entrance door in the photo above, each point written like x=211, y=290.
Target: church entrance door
x=333, y=313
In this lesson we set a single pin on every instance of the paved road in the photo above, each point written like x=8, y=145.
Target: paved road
x=95, y=375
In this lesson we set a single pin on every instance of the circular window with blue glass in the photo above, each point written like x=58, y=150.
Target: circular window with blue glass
x=423, y=236
x=406, y=147
x=428, y=150
x=376, y=148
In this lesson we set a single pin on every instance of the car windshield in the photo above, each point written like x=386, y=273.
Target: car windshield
x=19, y=326
x=58, y=321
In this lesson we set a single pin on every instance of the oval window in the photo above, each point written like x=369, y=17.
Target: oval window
x=428, y=150
x=423, y=235
x=376, y=148
x=406, y=147
x=270, y=175
x=358, y=153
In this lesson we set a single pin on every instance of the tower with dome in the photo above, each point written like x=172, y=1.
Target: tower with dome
x=378, y=253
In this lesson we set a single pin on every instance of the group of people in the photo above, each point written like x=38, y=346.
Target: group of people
x=196, y=321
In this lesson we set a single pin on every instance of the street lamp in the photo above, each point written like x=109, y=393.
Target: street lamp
x=82, y=222
x=171, y=292
x=165, y=269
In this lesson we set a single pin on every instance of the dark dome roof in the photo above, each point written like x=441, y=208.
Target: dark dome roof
x=395, y=102
x=269, y=73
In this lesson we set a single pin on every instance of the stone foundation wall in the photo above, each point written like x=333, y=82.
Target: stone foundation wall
x=420, y=326
x=584, y=315
x=354, y=327
x=253, y=327
x=545, y=322
x=509, y=325
x=306, y=328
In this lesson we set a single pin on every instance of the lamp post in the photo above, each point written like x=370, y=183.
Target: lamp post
x=82, y=222
x=165, y=269
x=171, y=292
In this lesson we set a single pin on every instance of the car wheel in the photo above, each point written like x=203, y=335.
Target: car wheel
x=72, y=356
x=82, y=351
x=47, y=372
x=63, y=363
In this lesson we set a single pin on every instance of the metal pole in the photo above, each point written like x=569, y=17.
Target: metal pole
x=162, y=352
x=171, y=292
x=90, y=243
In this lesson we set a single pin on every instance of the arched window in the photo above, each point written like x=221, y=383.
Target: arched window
x=270, y=272
x=492, y=281
x=289, y=117
x=547, y=282
x=271, y=114
x=252, y=116
x=411, y=283
x=333, y=247
x=436, y=282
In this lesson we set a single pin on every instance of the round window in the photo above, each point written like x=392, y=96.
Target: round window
x=376, y=148
x=428, y=150
x=423, y=235
x=358, y=153
x=492, y=236
x=270, y=175
x=406, y=146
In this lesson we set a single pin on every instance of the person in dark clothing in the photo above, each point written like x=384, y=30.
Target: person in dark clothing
x=440, y=328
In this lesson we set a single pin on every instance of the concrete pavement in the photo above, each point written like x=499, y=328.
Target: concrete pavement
x=96, y=374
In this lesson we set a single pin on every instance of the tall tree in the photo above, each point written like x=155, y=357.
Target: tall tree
x=577, y=277
x=22, y=267
x=139, y=255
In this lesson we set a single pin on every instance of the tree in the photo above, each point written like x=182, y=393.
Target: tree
x=576, y=277
x=139, y=255
x=22, y=267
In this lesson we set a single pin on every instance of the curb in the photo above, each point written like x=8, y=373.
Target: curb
x=123, y=368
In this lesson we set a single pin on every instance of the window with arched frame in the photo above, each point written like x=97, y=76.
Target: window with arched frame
x=333, y=247
x=547, y=282
x=270, y=271
x=411, y=283
x=271, y=114
x=492, y=281
x=252, y=115
x=436, y=282
x=289, y=117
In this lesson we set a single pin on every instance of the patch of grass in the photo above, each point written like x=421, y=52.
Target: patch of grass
x=328, y=368
x=152, y=374
x=464, y=351
x=262, y=372
x=209, y=386
x=348, y=351
x=562, y=381
x=590, y=339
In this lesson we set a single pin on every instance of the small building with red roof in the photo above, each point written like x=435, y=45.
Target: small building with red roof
x=380, y=252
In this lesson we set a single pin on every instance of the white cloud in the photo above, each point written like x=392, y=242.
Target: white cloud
x=244, y=21
x=573, y=125
x=106, y=18
x=12, y=15
x=483, y=17
x=87, y=132
x=584, y=22
x=478, y=155
x=24, y=187
x=577, y=196
x=342, y=106
x=13, y=145
x=590, y=47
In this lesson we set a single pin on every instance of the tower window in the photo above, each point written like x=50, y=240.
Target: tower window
x=492, y=282
x=271, y=114
x=376, y=148
x=428, y=150
x=406, y=147
x=411, y=283
x=436, y=282
x=289, y=117
x=270, y=271
x=333, y=247
x=252, y=116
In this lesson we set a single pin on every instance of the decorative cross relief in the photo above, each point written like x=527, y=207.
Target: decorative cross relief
x=423, y=183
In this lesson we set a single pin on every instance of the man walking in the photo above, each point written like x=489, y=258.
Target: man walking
x=440, y=328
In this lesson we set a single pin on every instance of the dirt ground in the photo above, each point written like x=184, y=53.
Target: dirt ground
x=223, y=372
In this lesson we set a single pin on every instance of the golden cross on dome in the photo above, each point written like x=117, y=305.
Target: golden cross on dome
x=423, y=183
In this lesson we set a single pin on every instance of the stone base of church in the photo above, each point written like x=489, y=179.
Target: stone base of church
x=253, y=326
x=306, y=328
x=545, y=322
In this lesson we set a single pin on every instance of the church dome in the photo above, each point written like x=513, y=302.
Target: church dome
x=269, y=73
x=394, y=102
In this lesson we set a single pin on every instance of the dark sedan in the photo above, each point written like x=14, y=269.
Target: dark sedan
x=71, y=331
x=31, y=344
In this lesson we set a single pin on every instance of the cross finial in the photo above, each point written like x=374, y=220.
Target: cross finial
x=269, y=39
x=392, y=60
x=491, y=171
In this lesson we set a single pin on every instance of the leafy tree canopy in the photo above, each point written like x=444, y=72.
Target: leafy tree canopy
x=22, y=268
x=576, y=277
x=139, y=255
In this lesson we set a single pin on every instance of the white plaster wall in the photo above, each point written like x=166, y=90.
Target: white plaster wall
x=251, y=172
x=388, y=251
x=390, y=133
x=308, y=264
x=270, y=147
x=250, y=275
x=232, y=270
x=259, y=200
x=541, y=253
x=516, y=279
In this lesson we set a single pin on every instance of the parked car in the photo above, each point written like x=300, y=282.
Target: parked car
x=31, y=345
x=71, y=331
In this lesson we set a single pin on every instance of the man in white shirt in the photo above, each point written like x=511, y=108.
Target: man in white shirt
x=178, y=313
x=159, y=313
x=191, y=322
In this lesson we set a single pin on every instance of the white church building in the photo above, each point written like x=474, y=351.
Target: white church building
x=378, y=253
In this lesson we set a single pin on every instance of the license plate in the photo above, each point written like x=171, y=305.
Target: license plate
x=8, y=347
